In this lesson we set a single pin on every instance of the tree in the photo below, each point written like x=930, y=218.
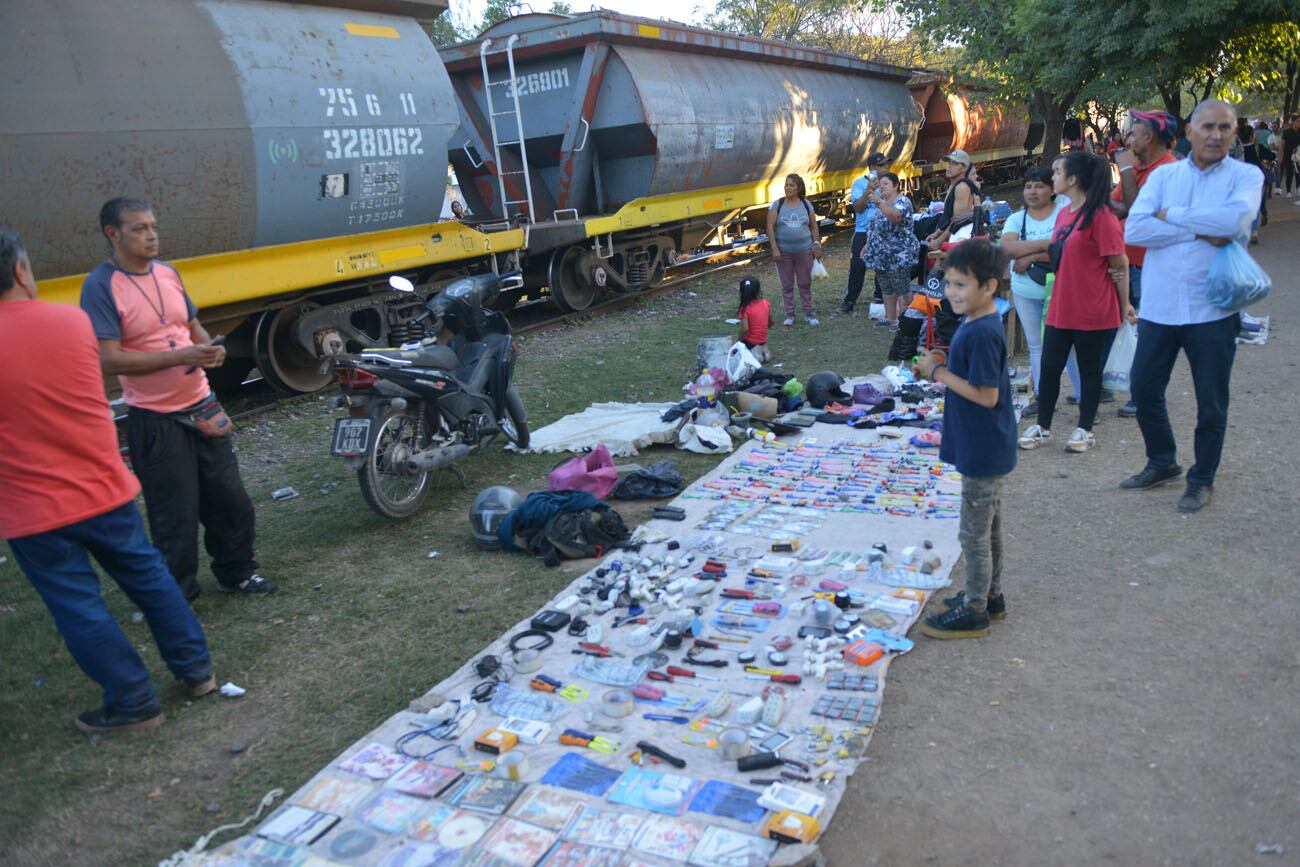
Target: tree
x=1042, y=53
x=1209, y=48
x=856, y=27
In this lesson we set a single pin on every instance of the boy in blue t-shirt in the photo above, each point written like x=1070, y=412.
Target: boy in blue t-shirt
x=979, y=433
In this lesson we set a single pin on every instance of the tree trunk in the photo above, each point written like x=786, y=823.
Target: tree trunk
x=1292, y=87
x=1172, y=95
x=1053, y=116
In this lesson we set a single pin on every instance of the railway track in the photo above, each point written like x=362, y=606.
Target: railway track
x=685, y=272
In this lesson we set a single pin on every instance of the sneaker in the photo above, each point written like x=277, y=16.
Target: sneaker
x=1033, y=437
x=788, y=321
x=1072, y=400
x=997, y=607
x=879, y=323
x=1030, y=409
x=957, y=622
x=841, y=311
x=102, y=720
x=205, y=687
x=1151, y=476
x=253, y=585
x=813, y=321
x=1080, y=441
x=1128, y=410
x=1107, y=396
x=1195, y=498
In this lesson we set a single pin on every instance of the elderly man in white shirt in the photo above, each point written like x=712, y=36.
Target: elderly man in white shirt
x=1184, y=212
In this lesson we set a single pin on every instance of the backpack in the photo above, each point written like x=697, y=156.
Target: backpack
x=580, y=534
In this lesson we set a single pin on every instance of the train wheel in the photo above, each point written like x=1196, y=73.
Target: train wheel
x=283, y=364
x=571, y=290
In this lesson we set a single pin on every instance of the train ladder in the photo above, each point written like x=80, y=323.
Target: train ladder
x=512, y=94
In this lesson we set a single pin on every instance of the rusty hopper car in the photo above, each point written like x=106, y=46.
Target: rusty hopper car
x=669, y=129
x=285, y=147
x=999, y=140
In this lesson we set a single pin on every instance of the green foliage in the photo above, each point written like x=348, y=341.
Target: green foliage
x=848, y=26
x=444, y=32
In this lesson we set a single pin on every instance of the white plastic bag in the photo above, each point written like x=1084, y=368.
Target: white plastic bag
x=819, y=271
x=741, y=363
x=1115, y=375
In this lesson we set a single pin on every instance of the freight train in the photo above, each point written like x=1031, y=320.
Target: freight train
x=296, y=153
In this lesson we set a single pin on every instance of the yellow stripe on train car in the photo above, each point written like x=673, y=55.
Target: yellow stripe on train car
x=266, y=272
x=672, y=207
x=377, y=31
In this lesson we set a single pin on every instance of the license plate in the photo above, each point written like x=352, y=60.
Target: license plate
x=351, y=436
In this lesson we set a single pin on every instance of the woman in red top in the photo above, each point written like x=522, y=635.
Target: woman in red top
x=1088, y=298
x=755, y=316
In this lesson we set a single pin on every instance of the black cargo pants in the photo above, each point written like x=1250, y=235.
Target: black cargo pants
x=190, y=479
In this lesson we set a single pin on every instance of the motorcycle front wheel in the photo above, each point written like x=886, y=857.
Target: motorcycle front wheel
x=388, y=485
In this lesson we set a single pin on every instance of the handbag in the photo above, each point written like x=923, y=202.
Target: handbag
x=1038, y=271
x=1057, y=248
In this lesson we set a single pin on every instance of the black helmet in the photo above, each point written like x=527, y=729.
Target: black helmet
x=825, y=387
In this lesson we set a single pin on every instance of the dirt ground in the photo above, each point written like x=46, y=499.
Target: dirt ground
x=1139, y=703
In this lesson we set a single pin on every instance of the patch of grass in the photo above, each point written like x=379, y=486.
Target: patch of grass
x=364, y=620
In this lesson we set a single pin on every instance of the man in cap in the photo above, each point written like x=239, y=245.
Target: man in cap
x=961, y=201
x=1149, y=141
x=1182, y=215
x=863, y=211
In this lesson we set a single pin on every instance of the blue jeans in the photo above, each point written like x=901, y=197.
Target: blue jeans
x=1211, y=348
x=1030, y=311
x=57, y=564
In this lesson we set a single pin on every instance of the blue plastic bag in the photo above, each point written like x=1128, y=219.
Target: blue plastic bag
x=1236, y=281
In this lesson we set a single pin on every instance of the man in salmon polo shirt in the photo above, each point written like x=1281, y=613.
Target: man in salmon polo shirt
x=65, y=494
x=179, y=438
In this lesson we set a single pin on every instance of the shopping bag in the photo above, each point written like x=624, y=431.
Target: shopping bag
x=1115, y=375
x=819, y=271
x=741, y=363
x=1235, y=280
x=593, y=472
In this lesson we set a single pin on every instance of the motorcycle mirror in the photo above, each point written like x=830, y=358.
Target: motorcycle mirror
x=400, y=283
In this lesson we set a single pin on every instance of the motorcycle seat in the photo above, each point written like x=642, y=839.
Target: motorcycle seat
x=434, y=356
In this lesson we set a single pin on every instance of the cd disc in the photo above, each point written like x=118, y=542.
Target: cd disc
x=462, y=832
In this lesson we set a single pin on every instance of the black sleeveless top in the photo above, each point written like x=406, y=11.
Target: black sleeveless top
x=950, y=202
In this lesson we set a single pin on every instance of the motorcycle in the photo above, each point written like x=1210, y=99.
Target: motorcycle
x=424, y=407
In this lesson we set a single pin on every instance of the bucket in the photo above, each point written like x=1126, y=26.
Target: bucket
x=711, y=352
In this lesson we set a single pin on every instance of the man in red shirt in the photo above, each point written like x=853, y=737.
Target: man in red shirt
x=1149, y=141
x=150, y=336
x=65, y=492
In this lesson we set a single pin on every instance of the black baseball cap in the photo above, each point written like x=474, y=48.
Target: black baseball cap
x=876, y=159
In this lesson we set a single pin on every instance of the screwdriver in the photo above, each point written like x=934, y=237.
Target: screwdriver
x=777, y=678
x=651, y=749
x=597, y=649
x=678, y=671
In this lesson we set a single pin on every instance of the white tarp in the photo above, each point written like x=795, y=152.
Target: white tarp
x=622, y=427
